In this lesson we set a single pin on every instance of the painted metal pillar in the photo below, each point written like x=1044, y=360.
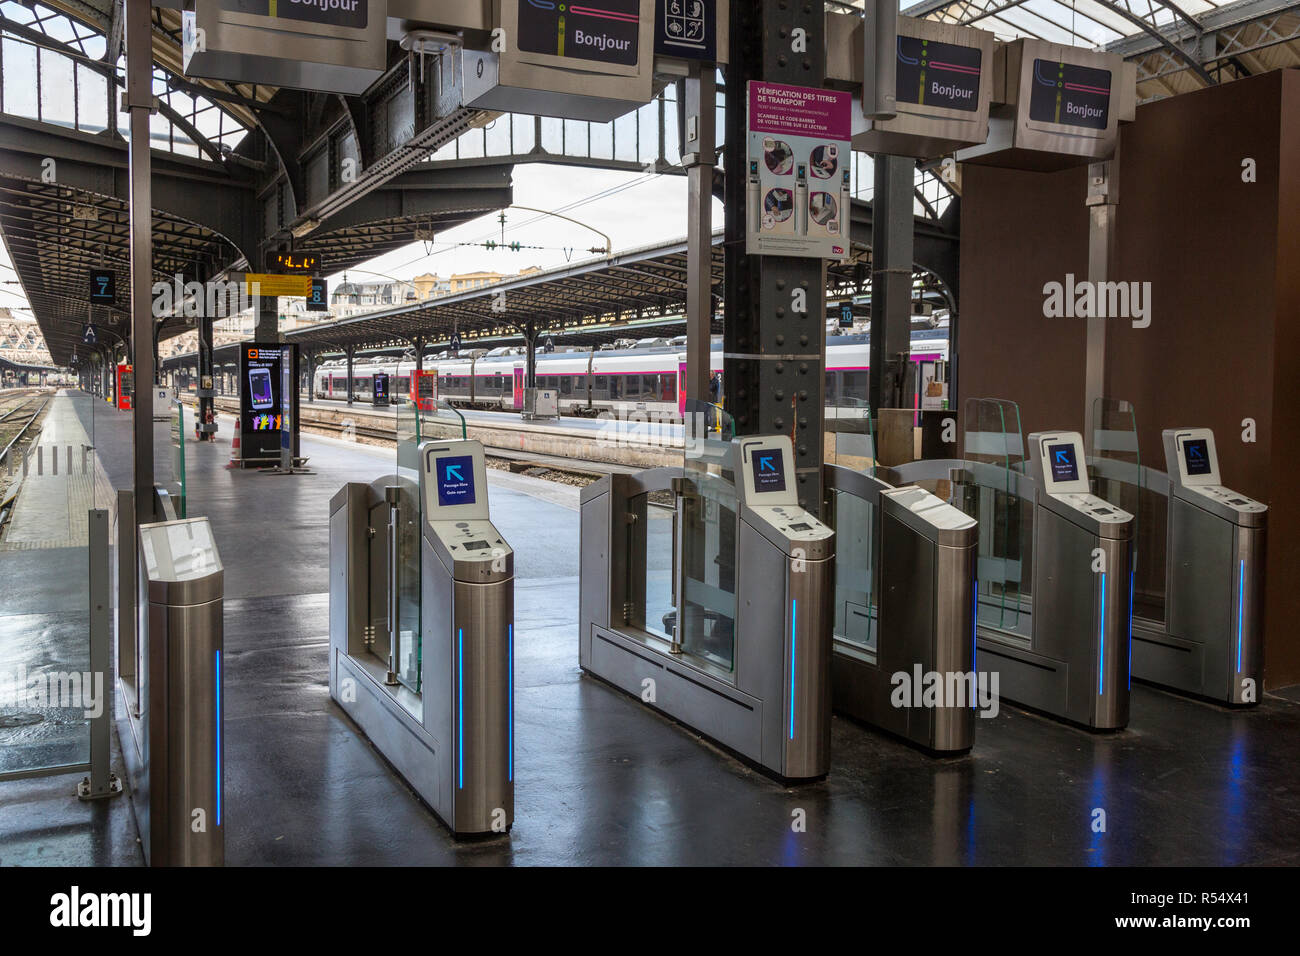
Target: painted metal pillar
x=139, y=102
x=698, y=158
x=351, y=349
x=268, y=319
x=1103, y=203
x=891, y=280
x=775, y=357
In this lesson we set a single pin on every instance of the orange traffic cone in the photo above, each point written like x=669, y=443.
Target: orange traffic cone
x=235, y=456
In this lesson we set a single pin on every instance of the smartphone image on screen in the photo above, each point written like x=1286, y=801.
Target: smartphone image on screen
x=259, y=382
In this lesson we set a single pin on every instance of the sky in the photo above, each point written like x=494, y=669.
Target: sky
x=635, y=210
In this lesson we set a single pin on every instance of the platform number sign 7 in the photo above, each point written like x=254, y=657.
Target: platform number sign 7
x=103, y=286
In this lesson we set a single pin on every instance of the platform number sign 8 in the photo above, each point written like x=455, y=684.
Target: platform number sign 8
x=318, y=299
x=103, y=286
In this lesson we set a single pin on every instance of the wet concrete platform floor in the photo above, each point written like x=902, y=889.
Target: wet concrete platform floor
x=602, y=780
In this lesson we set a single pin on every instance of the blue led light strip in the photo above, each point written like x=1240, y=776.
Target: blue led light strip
x=218, y=738
x=1101, y=636
x=794, y=623
x=1131, y=575
x=460, y=708
x=1241, y=606
x=510, y=685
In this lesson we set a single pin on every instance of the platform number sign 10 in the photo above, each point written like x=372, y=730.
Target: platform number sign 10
x=103, y=286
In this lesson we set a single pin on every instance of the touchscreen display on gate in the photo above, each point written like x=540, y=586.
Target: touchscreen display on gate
x=1062, y=459
x=768, y=469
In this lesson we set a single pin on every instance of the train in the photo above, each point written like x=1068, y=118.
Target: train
x=647, y=375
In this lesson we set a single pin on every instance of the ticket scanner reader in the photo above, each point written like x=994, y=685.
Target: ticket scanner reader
x=449, y=729
x=1205, y=636
x=1074, y=662
x=757, y=590
x=904, y=605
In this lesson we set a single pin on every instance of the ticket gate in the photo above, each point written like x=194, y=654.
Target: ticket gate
x=904, y=646
x=1064, y=649
x=422, y=631
x=744, y=654
x=1198, y=613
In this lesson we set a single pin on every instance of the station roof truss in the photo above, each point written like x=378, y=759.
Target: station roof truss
x=637, y=294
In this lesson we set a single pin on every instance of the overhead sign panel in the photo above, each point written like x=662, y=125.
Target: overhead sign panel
x=942, y=90
x=264, y=283
x=602, y=31
x=687, y=29
x=103, y=286
x=593, y=60
x=1054, y=106
x=337, y=46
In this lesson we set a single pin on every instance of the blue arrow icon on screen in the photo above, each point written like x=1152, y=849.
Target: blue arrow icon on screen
x=1196, y=452
x=1061, y=457
x=765, y=463
x=454, y=470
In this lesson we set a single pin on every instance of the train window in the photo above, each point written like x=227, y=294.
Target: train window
x=598, y=386
x=853, y=385
x=830, y=387
x=670, y=388
x=566, y=385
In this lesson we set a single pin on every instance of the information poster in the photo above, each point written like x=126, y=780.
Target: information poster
x=267, y=400
x=797, y=194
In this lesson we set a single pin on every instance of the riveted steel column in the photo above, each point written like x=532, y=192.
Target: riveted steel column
x=775, y=357
x=139, y=101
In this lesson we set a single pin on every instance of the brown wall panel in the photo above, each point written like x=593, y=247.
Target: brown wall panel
x=1282, y=602
x=1223, y=260
x=1019, y=231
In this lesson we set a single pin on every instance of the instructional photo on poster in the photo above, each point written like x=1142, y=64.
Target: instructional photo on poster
x=798, y=189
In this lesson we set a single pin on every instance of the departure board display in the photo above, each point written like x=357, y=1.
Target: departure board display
x=1070, y=95
x=931, y=73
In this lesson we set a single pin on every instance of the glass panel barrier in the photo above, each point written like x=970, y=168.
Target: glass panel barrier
x=47, y=489
x=993, y=456
x=850, y=439
x=706, y=546
x=1117, y=476
x=857, y=568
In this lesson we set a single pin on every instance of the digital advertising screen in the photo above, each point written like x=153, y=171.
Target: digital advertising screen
x=262, y=378
x=1070, y=95
x=931, y=73
x=1196, y=453
x=455, y=476
x=1062, y=459
x=768, y=469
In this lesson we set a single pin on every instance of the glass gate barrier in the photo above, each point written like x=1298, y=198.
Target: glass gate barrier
x=850, y=443
x=439, y=419
x=1118, y=476
x=706, y=537
x=994, y=456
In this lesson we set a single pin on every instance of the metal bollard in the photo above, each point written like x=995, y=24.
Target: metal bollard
x=182, y=581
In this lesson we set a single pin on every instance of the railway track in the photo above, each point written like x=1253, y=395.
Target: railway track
x=15, y=424
x=570, y=470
